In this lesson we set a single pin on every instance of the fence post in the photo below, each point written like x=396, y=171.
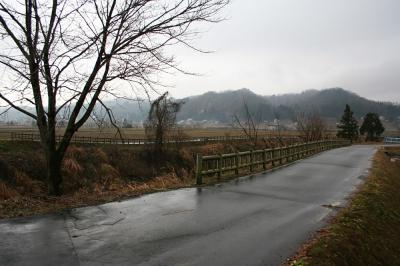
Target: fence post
x=237, y=163
x=220, y=165
x=264, y=159
x=251, y=160
x=199, y=165
x=273, y=157
x=280, y=155
x=295, y=157
x=287, y=154
x=298, y=151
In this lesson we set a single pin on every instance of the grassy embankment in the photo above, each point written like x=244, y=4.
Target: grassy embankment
x=367, y=231
x=96, y=174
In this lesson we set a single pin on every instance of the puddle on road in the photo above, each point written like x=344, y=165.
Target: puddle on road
x=334, y=205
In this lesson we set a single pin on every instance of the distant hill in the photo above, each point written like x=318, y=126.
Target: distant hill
x=221, y=106
x=329, y=103
x=122, y=109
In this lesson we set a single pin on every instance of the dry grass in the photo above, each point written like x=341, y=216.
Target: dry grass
x=92, y=175
x=367, y=231
x=71, y=166
x=6, y=192
x=13, y=204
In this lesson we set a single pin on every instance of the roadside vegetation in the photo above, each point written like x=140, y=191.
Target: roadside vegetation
x=367, y=231
x=96, y=174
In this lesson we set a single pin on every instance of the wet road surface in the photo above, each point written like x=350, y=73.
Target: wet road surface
x=257, y=220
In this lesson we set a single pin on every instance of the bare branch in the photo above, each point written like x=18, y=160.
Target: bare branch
x=17, y=108
x=64, y=56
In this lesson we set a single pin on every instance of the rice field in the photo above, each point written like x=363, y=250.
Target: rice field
x=132, y=133
x=138, y=133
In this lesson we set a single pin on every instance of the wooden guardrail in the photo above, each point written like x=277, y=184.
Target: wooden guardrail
x=252, y=160
x=391, y=140
x=17, y=136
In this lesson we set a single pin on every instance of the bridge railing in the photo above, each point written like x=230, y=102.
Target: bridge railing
x=259, y=160
x=391, y=140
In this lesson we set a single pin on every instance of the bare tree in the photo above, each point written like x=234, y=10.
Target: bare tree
x=69, y=54
x=311, y=126
x=161, y=121
x=249, y=122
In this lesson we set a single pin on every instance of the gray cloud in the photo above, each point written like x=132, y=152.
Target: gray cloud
x=279, y=46
x=380, y=82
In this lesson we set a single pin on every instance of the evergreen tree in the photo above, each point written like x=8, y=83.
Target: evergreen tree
x=372, y=126
x=348, y=127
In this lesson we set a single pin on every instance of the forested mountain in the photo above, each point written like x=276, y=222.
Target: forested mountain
x=329, y=103
x=222, y=106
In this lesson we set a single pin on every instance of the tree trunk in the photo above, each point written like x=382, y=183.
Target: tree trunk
x=159, y=141
x=54, y=176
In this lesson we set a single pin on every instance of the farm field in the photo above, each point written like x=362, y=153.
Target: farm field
x=5, y=132
x=138, y=133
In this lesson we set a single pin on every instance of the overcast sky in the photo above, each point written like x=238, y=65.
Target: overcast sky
x=281, y=46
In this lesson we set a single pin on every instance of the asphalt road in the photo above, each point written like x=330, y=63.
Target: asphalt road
x=258, y=220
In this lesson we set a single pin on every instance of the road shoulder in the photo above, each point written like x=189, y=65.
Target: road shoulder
x=366, y=231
